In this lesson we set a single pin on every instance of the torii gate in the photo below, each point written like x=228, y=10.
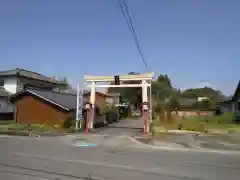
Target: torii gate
x=145, y=80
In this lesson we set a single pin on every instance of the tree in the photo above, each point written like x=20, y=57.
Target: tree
x=64, y=81
x=165, y=96
x=212, y=94
x=172, y=105
x=213, y=97
x=162, y=88
x=113, y=89
x=132, y=94
x=165, y=80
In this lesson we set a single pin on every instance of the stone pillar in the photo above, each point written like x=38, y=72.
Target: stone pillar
x=145, y=100
x=92, y=101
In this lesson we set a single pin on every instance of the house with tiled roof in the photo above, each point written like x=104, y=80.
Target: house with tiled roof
x=40, y=106
x=15, y=80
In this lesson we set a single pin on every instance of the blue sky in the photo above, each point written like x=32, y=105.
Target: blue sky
x=194, y=42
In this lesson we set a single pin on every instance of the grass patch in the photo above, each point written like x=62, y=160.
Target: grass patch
x=12, y=126
x=34, y=127
x=224, y=122
x=31, y=128
x=5, y=122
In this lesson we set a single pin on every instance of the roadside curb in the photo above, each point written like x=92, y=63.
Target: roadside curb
x=31, y=134
x=12, y=133
x=205, y=150
x=195, y=132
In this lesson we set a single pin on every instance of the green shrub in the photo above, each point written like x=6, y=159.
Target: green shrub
x=68, y=123
x=151, y=128
x=111, y=114
x=104, y=108
x=72, y=129
x=194, y=126
x=154, y=115
x=18, y=127
x=37, y=127
x=226, y=118
x=199, y=123
x=158, y=108
x=232, y=131
x=31, y=127
x=196, y=118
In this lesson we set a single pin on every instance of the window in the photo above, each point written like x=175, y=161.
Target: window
x=1, y=82
x=238, y=106
x=2, y=103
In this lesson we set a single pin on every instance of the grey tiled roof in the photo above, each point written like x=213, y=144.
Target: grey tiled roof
x=28, y=74
x=66, y=100
x=4, y=92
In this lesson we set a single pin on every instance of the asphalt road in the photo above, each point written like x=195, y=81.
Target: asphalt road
x=30, y=158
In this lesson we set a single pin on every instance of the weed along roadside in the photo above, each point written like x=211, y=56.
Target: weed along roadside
x=217, y=132
x=32, y=130
x=215, y=124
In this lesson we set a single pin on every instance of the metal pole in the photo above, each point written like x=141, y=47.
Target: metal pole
x=77, y=110
x=80, y=108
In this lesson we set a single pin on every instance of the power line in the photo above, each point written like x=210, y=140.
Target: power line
x=134, y=32
x=128, y=20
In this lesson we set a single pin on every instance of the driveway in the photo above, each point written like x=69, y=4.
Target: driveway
x=125, y=127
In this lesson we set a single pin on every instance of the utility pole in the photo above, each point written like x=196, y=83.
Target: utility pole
x=79, y=107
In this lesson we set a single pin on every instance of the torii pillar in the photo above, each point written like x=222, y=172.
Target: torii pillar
x=92, y=101
x=145, y=108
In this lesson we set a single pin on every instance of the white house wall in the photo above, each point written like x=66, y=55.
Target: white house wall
x=11, y=85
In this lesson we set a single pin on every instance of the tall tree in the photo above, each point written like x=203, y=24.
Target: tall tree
x=162, y=88
x=165, y=96
x=165, y=80
x=64, y=81
x=132, y=94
